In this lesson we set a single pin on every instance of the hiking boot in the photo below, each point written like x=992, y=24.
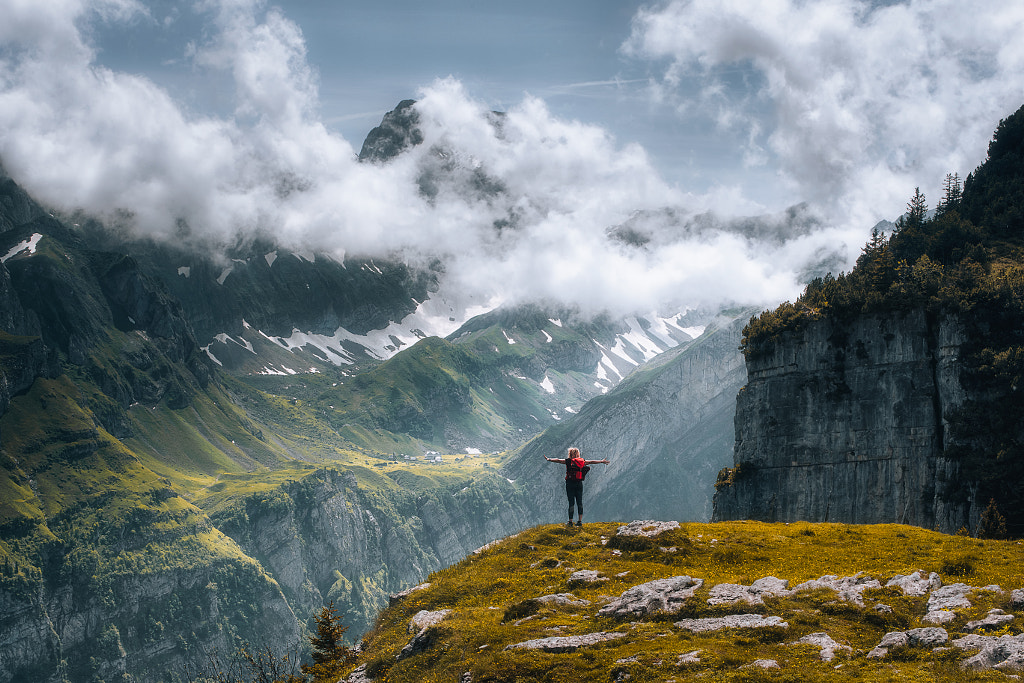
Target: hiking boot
x=569, y=523
x=579, y=522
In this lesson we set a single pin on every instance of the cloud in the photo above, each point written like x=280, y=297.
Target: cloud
x=521, y=206
x=855, y=102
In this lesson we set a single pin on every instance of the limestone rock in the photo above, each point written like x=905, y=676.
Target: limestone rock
x=939, y=616
x=915, y=584
x=953, y=596
x=565, y=643
x=1017, y=597
x=826, y=644
x=996, y=619
x=424, y=619
x=358, y=675
x=929, y=637
x=764, y=664
x=659, y=595
x=563, y=599
x=398, y=597
x=649, y=529
x=730, y=593
x=996, y=652
x=689, y=658
x=586, y=576
x=730, y=621
x=420, y=642
x=848, y=588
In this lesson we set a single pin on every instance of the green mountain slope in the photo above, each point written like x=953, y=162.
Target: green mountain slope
x=142, y=486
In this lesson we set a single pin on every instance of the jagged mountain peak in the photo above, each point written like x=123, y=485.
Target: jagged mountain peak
x=398, y=131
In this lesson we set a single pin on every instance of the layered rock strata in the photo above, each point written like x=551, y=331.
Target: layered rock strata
x=848, y=422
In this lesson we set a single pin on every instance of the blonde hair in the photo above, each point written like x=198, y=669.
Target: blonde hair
x=574, y=452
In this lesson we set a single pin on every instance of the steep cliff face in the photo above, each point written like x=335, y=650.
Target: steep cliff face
x=327, y=536
x=666, y=429
x=847, y=422
x=143, y=626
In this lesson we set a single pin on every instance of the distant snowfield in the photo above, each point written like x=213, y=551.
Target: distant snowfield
x=440, y=316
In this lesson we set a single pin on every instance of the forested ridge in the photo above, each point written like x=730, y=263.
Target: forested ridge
x=964, y=259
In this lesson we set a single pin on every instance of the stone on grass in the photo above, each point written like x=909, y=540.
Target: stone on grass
x=953, y=596
x=419, y=643
x=649, y=529
x=730, y=621
x=422, y=624
x=730, y=593
x=689, y=658
x=423, y=619
x=396, y=597
x=926, y=638
x=763, y=664
x=564, y=643
x=915, y=584
x=1017, y=597
x=664, y=595
x=825, y=643
x=996, y=652
x=996, y=619
x=939, y=616
x=848, y=588
x=358, y=675
x=586, y=576
x=563, y=599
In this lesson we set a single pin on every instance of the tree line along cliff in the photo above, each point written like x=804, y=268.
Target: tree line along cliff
x=890, y=393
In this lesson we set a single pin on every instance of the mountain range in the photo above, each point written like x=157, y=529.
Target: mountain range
x=199, y=449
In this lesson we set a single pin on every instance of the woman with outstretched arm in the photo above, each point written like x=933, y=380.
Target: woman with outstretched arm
x=576, y=469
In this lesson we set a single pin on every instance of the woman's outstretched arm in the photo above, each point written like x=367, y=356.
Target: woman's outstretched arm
x=594, y=462
x=560, y=461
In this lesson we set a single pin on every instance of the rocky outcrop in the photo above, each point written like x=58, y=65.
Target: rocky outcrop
x=847, y=422
x=398, y=131
x=706, y=624
x=660, y=595
x=565, y=643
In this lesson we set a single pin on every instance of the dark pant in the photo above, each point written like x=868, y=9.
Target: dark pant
x=574, y=492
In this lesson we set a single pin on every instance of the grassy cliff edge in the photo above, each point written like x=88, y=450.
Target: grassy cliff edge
x=494, y=602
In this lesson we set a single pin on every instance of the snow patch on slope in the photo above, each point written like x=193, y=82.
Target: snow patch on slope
x=28, y=245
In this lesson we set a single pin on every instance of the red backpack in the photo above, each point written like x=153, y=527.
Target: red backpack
x=577, y=469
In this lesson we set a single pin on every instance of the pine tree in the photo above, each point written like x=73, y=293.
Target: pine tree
x=917, y=209
x=330, y=655
x=952, y=193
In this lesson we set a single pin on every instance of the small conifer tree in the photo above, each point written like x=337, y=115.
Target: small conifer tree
x=330, y=655
x=992, y=523
x=917, y=209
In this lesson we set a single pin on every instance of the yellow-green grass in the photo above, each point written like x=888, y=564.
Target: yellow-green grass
x=488, y=594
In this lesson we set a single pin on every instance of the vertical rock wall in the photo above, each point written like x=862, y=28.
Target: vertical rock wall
x=845, y=422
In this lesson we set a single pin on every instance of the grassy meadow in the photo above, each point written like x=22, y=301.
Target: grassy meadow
x=491, y=595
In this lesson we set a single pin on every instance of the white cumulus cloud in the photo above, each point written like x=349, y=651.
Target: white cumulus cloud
x=856, y=102
x=852, y=102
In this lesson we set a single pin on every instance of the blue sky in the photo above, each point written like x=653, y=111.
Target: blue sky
x=217, y=120
x=370, y=55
